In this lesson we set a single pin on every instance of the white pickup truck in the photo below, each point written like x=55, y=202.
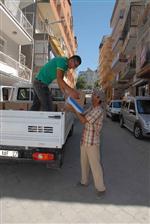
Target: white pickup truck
x=33, y=135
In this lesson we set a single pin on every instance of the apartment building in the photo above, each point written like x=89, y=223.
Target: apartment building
x=142, y=80
x=37, y=31
x=54, y=35
x=106, y=74
x=90, y=77
x=124, y=23
x=16, y=33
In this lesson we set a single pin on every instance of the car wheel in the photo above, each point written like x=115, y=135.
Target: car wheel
x=121, y=122
x=138, y=131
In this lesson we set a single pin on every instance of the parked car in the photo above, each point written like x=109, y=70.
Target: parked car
x=135, y=115
x=113, y=109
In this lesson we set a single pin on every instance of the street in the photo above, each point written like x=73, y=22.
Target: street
x=32, y=193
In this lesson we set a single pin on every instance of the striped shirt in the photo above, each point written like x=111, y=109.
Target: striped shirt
x=92, y=128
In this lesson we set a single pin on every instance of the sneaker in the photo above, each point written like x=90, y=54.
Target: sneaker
x=79, y=184
x=100, y=193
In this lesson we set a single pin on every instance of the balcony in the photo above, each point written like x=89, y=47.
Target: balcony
x=13, y=71
x=119, y=22
x=143, y=62
x=118, y=62
x=128, y=72
x=130, y=28
x=18, y=27
x=144, y=29
x=117, y=44
x=129, y=43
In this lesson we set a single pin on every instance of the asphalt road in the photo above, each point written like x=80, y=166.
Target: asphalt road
x=32, y=193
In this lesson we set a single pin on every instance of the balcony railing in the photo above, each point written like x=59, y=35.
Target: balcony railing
x=16, y=12
x=128, y=72
x=119, y=21
x=15, y=68
x=132, y=18
x=143, y=29
x=120, y=58
x=116, y=43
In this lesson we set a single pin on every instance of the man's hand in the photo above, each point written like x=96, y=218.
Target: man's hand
x=64, y=86
x=70, y=108
x=74, y=94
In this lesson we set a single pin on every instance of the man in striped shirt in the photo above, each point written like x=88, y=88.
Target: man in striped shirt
x=90, y=143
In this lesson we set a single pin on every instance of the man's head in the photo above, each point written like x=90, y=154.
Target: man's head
x=74, y=62
x=98, y=96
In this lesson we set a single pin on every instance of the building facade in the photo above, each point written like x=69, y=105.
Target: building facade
x=37, y=31
x=54, y=35
x=90, y=77
x=105, y=72
x=126, y=37
x=16, y=32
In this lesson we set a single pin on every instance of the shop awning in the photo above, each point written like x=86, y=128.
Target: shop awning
x=55, y=45
x=145, y=72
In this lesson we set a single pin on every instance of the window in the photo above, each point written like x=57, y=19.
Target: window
x=143, y=106
x=25, y=94
x=132, y=106
x=117, y=104
x=57, y=94
x=126, y=105
x=6, y=93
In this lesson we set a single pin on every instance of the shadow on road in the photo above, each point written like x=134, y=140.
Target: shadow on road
x=126, y=169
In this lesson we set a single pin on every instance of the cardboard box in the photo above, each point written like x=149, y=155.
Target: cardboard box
x=16, y=106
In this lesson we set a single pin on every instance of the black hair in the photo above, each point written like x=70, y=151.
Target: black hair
x=76, y=58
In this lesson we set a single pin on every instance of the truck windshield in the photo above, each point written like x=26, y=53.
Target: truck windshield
x=143, y=106
x=117, y=104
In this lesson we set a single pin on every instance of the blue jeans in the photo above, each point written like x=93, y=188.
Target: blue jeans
x=42, y=99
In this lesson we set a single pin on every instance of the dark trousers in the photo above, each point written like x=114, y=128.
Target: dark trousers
x=42, y=99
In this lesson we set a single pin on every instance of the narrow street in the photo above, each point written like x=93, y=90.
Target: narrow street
x=31, y=193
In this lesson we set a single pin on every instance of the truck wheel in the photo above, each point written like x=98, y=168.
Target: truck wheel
x=138, y=132
x=121, y=122
x=60, y=159
x=112, y=117
x=71, y=131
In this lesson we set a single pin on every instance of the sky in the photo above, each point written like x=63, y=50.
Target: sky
x=91, y=21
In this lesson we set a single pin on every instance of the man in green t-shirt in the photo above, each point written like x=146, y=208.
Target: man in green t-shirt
x=54, y=69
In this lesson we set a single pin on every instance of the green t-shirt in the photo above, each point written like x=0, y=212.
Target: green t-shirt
x=49, y=71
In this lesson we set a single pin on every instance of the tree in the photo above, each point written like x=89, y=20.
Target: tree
x=81, y=83
x=96, y=84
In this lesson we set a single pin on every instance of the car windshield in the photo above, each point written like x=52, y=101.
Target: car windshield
x=116, y=104
x=143, y=106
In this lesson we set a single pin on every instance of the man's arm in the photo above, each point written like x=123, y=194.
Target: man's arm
x=81, y=117
x=64, y=87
